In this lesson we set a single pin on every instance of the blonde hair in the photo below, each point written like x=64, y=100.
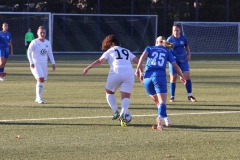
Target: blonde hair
x=162, y=41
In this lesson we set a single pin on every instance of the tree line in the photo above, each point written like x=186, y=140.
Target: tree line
x=168, y=11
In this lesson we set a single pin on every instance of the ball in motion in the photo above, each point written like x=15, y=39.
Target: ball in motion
x=128, y=117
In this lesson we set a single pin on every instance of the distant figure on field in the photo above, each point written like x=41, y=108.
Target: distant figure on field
x=29, y=36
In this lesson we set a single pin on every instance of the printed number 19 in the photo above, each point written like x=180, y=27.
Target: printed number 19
x=124, y=52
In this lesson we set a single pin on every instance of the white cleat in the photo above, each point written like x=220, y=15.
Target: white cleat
x=167, y=122
x=40, y=101
x=1, y=79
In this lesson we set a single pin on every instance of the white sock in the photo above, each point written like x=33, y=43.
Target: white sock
x=39, y=90
x=189, y=94
x=111, y=99
x=125, y=105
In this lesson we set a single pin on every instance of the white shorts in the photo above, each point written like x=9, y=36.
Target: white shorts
x=123, y=81
x=40, y=71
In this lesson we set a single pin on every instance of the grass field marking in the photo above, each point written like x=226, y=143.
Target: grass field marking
x=148, y=115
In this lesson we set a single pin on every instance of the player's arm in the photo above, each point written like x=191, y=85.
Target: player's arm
x=50, y=56
x=29, y=54
x=139, y=69
x=187, y=48
x=96, y=63
x=11, y=48
x=179, y=72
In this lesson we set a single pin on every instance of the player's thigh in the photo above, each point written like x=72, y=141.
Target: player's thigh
x=184, y=66
x=127, y=83
x=38, y=71
x=149, y=86
x=113, y=82
x=160, y=85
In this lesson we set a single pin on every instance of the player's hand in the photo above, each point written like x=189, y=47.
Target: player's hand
x=137, y=74
x=141, y=78
x=53, y=67
x=85, y=71
x=26, y=44
x=183, y=80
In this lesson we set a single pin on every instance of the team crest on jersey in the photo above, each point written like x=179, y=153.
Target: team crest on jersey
x=46, y=45
x=7, y=37
x=43, y=52
x=181, y=42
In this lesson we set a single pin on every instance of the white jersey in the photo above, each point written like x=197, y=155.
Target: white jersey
x=119, y=59
x=38, y=52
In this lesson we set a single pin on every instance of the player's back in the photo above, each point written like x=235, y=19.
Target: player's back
x=156, y=60
x=119, y=59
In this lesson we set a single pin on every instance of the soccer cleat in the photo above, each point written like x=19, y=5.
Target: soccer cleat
x=1, y=79
x=191, y=98
x=171, y=99
x=159, y=124
x=40, y=101
x=116, y=115
x=123, y=120
x=167, y=122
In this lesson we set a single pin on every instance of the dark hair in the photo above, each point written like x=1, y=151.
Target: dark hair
x=177, y=25
x=110, y=41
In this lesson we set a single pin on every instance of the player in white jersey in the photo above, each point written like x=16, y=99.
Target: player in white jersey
x=121, y=74
x=38, y=53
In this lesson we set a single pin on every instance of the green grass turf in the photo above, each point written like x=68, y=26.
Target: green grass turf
x=75, y=122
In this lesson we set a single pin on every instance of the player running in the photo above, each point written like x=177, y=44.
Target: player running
x=5, y=45
x=154, y=78
x=121, y=74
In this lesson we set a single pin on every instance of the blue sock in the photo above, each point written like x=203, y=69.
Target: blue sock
x=172, y=89
x=189, y=86
x=162, y=110
x=1, y=69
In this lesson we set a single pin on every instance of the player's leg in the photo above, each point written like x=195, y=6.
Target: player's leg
x=160, y=86
x=186, y=72
x=38, y=73
x=3, y=60
x=173, y=79
x=111, y=86
x=126, y=90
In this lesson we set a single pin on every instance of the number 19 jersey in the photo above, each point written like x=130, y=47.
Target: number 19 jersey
x=119, y=58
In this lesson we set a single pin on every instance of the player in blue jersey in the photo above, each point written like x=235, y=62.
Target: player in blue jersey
x=5, y=44
x=154, y=78
x=182, y=55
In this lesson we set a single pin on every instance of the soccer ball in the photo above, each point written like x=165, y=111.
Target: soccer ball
x=128, y=117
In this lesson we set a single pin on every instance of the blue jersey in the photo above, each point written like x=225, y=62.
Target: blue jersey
x=157, y=61
x=5, y=38
x=179, y=51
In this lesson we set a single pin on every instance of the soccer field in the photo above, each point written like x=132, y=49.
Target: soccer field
x=75, y=122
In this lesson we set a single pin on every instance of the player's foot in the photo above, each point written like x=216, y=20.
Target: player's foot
x=191, y=98
x=40, y=101
x=116, y=115
x=3, y=74
x=1, y=79
x=167, y=122
x=123, y=120
x=159, y=124
x=171, y=99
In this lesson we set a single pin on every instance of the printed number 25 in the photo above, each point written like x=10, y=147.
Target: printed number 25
x=160, y=58
x=124, y=52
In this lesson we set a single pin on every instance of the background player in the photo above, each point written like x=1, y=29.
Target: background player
x=182, y=55
x=121, y=74
x=154, y=79
x=38, y=52
x=29, y=36
x=5, y=45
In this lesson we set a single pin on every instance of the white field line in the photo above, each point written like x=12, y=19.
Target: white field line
x=148, y=115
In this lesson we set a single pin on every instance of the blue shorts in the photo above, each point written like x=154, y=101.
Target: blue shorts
x=155, y=85
x=4, y=52
x=184, y=66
